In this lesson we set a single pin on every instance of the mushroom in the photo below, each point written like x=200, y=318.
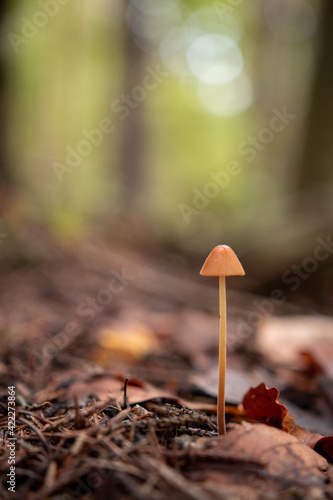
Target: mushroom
x=222, y=262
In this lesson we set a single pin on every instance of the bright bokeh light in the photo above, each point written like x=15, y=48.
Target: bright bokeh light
x=230, y=99
x=214, y=59
x=153, y=28
x=150, y=22
x=174, y=47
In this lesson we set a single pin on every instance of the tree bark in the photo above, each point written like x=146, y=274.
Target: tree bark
x=4, y=170
x=132, y=161
x=317, y=158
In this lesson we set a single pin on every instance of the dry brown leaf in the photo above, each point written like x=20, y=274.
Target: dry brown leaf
x=196, y=336
x=263, y=404
x=102, y=386
x=308, y=438
x=124, y=341
x=238, y=380
x=276, y=454
x=325, y=447
x=321, y=444
x=283, y=340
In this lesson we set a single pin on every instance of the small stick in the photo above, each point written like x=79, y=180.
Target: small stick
x=125, y=400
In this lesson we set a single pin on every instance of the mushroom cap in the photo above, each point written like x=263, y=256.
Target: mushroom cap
x=222, y=261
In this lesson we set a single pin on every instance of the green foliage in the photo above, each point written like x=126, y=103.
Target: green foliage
x=64, y=81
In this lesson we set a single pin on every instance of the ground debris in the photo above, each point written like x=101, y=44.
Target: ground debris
x=144, y=426
x=152, y=450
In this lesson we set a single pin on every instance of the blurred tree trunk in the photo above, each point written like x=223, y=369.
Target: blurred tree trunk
x=316, y=163
x=4, y=170
x=132, y=140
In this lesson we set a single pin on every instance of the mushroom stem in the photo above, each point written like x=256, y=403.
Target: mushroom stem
x=222, y=357
x=222, y=261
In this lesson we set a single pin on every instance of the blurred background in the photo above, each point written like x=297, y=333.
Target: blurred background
x=170, y=127
x=135, y=136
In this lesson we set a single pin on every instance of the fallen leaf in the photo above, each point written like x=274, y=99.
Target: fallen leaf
x=262, y=404
x=308, y=438
x=238, y=381
x=125, y=341
x=102, y=386
x=325, y=447
x=259, y=448
x=283, y=340
x=196, y=336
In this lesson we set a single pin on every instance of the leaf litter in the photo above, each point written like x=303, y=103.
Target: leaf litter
x=102, y=418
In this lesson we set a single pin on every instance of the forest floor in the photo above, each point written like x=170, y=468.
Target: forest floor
x=111, y=357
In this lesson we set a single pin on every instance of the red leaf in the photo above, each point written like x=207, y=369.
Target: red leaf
x=325, y=447
x=262, y=404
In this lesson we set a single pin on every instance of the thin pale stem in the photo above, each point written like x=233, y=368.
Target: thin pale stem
x=222, y=357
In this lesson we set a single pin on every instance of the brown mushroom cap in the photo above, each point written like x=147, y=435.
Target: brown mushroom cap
x=222, y=261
